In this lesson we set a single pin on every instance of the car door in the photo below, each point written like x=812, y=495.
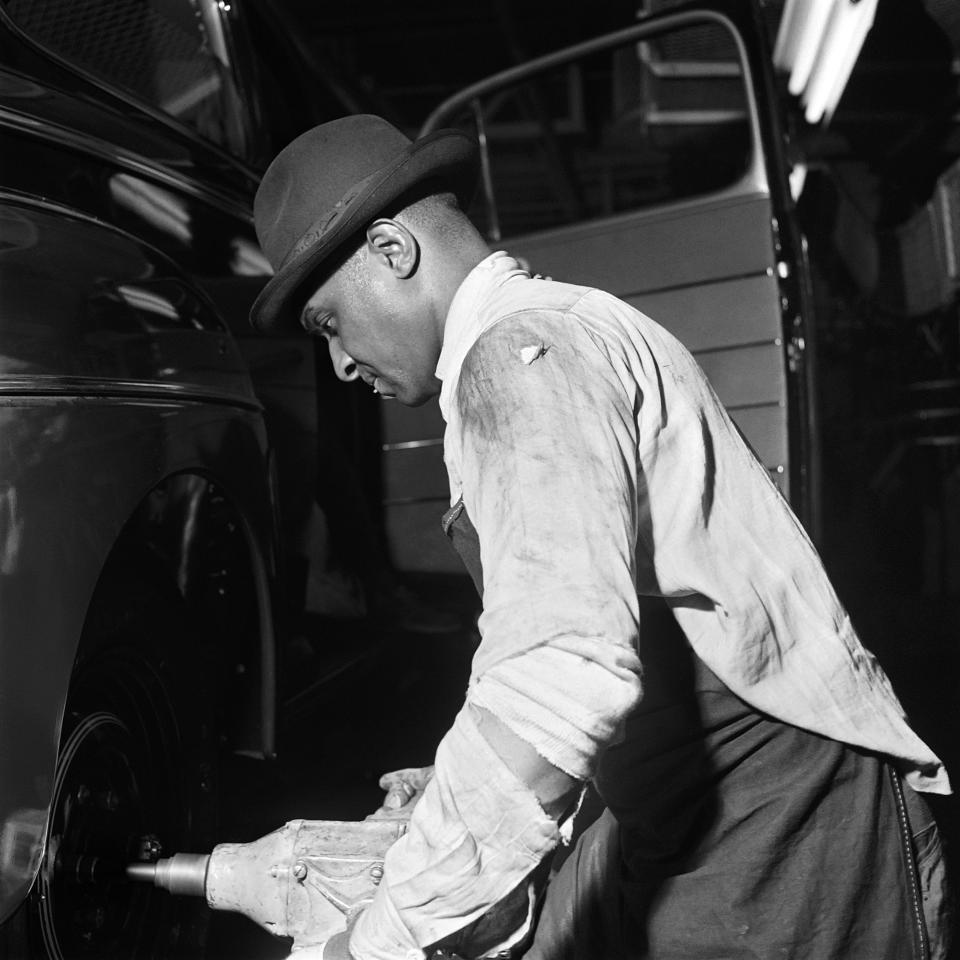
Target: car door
x=646, y=163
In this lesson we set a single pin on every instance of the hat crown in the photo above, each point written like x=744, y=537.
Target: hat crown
x=313, y=174
x=328, y=184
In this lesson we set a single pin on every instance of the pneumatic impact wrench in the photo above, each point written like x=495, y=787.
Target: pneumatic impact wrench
x=308, y=880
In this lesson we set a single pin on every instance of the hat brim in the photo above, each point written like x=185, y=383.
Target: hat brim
x=446, y=155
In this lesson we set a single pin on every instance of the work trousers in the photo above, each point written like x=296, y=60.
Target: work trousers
x=587, y=916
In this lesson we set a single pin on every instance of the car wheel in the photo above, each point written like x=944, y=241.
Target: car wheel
x=135, y=780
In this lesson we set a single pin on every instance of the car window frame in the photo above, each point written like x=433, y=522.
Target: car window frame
x=114, y=92
x=754, y=177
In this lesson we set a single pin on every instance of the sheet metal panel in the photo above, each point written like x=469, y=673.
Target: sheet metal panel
x=415, y=473
x=746, y=376
x=671, y=247
x=766, y=431
x=721, y=313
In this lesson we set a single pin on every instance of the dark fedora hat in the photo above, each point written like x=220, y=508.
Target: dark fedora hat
x=328, y=184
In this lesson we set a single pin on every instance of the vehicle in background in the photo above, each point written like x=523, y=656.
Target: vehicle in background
x=648, y=162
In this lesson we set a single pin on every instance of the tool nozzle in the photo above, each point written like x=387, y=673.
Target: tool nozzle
x=183, y=873
x=143, y=872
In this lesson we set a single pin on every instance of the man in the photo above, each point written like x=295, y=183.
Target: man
x=760, y=779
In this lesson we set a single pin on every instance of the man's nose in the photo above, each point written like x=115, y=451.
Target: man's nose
x=343, y=364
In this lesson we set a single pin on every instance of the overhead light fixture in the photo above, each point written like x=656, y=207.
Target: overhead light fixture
x=818, y=42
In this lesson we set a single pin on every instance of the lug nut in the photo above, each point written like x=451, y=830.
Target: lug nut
x=149, y=848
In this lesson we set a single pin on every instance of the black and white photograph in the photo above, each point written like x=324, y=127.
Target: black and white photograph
x=479, y=481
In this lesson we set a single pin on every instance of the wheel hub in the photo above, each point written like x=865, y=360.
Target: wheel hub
x=98, y=825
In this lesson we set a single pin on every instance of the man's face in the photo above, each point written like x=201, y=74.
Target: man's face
x=378, y=330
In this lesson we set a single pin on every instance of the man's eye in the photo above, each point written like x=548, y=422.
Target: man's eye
x=322, y=327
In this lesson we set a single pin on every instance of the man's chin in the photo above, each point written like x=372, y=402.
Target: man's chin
x=408, y=399
x=411, y=396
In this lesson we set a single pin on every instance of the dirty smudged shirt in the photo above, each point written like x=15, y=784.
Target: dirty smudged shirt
x=597, y=464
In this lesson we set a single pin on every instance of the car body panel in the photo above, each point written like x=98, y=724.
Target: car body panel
x=86, y=305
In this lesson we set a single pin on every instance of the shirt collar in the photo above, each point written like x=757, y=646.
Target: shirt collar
x=465, y=321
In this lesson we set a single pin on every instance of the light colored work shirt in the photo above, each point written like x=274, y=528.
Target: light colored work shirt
x=597, y=464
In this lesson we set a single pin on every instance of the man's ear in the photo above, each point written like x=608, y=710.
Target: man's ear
x=393, y=245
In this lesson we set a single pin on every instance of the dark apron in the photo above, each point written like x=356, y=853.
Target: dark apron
x=727, y=834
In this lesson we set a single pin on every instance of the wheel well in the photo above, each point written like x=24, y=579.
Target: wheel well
x=189, y=541
x=136, y=778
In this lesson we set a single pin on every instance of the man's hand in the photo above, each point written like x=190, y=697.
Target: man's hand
x=336, y=948
x=403, y=789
